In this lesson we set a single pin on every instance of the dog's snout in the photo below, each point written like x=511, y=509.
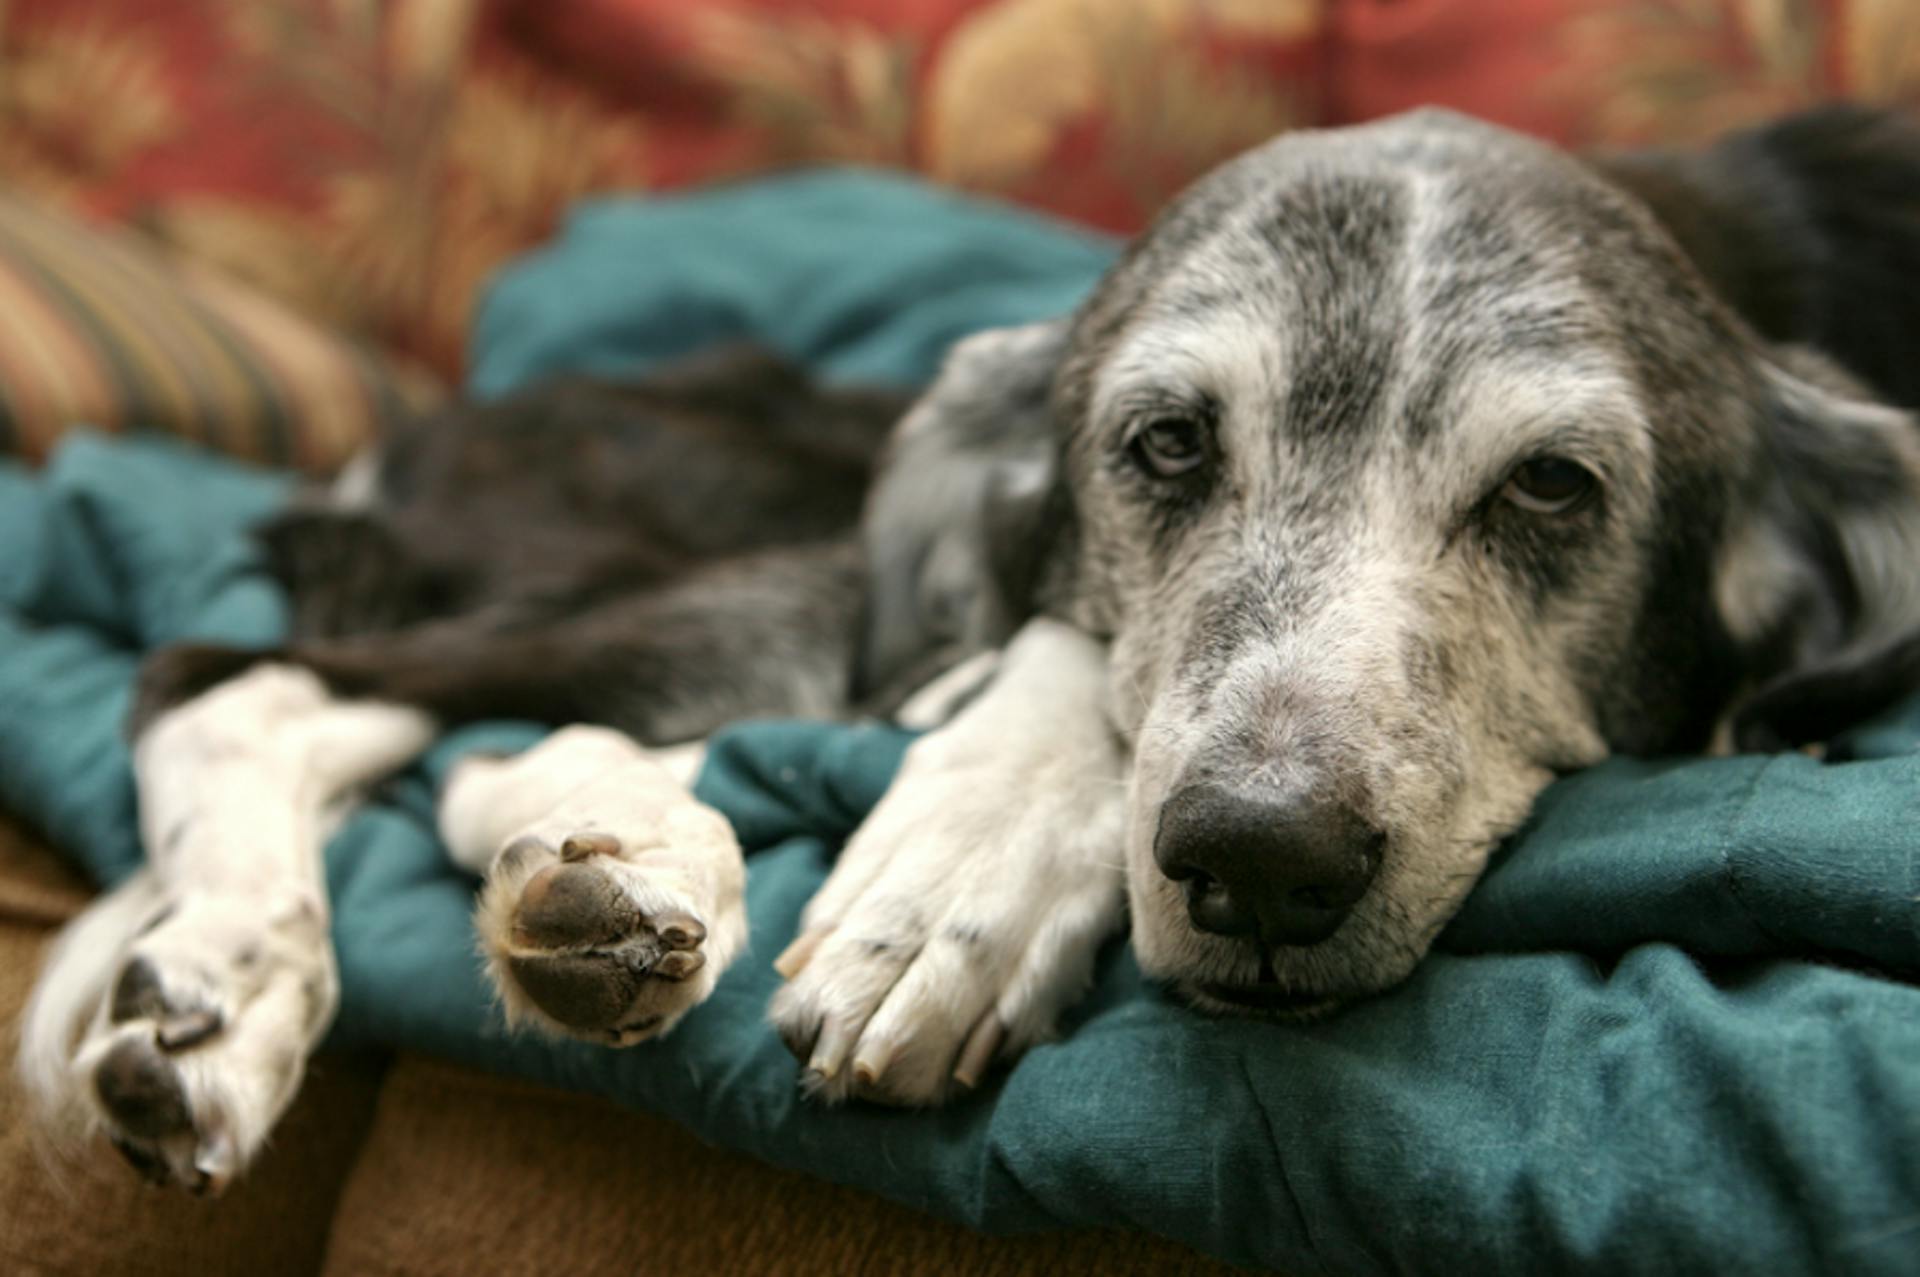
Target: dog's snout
x=1285, y=868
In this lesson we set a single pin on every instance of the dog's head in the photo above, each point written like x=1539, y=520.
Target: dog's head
x=1405, y=467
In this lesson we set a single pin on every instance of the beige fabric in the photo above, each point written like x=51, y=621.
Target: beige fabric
x=460, y=1165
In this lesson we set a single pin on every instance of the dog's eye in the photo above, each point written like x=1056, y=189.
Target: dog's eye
x=1169, y=447
x=1550, y=485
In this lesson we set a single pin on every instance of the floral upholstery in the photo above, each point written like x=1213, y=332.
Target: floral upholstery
x=98, y=329
x=369, y=162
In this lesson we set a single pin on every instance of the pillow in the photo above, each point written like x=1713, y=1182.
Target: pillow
x=99, y=328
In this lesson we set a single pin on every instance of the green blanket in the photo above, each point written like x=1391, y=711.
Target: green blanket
x=1672, y=1031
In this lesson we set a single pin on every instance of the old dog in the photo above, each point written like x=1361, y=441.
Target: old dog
x=1394, y=471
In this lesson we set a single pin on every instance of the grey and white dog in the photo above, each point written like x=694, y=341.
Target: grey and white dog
x=1393, y=472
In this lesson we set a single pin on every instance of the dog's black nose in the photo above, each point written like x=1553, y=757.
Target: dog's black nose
x=1285, y=868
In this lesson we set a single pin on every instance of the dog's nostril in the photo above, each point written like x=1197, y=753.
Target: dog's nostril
x=1341, y=886
x=1212, y=907
x=1315, y=898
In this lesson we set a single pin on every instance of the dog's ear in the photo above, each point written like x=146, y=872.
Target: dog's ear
x=965, y=510
x=1821, y=584
x=1809, y=226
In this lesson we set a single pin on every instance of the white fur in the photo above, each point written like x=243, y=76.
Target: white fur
x=77, y=972
x=489, y=799
x=943, y=697
x=978, y=891
x=236, y=789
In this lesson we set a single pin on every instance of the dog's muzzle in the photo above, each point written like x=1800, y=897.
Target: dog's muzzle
x=1279, y=868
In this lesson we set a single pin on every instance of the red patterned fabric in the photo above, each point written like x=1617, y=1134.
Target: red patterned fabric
x=1621, y=71
x=370, y=162
x=1096, y=109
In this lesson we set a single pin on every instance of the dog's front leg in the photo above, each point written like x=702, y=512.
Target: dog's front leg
x=966, y=912
x=178, y=1012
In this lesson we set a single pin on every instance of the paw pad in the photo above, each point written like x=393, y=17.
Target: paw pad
x=140, y=1089
x=582, y=950
x=572, y=905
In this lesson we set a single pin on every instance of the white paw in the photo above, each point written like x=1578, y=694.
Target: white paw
x=178, y=1013
x=962, y=918
x=203, y=1035
x=614, y=914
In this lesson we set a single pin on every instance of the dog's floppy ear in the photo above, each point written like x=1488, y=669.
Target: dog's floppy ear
x=965, y=510
x=1822, y=584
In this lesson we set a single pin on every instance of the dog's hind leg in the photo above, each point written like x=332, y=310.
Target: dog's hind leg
x=178, y=1012
x=614, y=899
x=765, y=634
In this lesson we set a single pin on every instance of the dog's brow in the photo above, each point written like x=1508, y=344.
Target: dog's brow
x=1587, y=442
x=1192, y=360
x=1512, y=410
x=1461, y=348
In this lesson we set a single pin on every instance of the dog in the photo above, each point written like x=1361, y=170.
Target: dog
x=663, y=557
x=1394, y=471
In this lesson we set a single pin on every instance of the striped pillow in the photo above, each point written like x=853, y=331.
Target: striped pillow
x=99, y=328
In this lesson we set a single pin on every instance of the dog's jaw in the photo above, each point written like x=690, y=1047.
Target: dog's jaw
x=1442, y=829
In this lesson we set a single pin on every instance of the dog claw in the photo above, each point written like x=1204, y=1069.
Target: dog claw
x=213, y=1168
x=830, y=1051
x=190, y=1029
x=794, y=958
x=679, y=964
x=871, y=1064
x=679, y=931
x=580, y=846
x=982, y=1045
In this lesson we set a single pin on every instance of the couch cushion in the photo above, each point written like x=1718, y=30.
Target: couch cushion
x=98, y=327
x=460, y=1165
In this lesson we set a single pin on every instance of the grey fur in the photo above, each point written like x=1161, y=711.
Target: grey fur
x=970, y=490
x=1371, y=329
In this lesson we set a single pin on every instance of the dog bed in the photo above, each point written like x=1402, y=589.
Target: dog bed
x=1672, y=1030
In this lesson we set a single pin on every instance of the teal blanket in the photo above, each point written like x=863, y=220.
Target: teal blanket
x=1673, y=1030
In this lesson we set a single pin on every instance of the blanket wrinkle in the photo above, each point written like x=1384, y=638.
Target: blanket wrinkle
x=1736, y=817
